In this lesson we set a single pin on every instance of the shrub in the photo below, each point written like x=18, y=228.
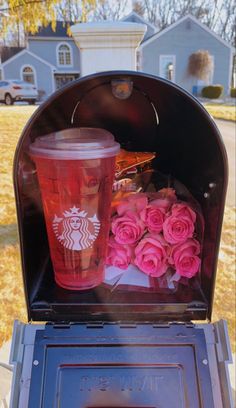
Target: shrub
x=212, y=91
x=233, y=92
x=200, y=65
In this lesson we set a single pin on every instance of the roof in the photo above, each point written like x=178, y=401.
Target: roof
x=136, y=18
x=9, y=52
x=61, y=30
x=25, y=51
x=181, y=20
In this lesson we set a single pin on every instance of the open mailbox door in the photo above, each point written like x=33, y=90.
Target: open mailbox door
x=130, y=341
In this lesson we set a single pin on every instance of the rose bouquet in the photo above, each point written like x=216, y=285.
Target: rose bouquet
x=157, y=233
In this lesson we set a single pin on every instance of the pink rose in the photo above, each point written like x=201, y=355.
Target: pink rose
x=179, y=226
x=183, y=210
x=184, y=257
x=118, y=255
x=134, y=202
x=153, y=217
x=151, y=255
x=176, y=229
x=127, y=229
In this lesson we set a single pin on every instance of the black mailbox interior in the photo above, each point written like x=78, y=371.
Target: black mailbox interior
x=188, y=147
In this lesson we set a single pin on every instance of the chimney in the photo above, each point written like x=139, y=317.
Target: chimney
x=107, y=46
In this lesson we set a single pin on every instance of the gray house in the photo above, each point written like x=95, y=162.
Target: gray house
x=51, y=59
x=167, y=53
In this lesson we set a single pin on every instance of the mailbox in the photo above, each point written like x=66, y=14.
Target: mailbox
x=125, y=345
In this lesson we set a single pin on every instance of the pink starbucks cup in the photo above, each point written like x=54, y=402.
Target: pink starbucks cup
x=75, y=169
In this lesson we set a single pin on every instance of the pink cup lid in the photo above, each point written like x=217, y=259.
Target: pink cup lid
x=76, y=144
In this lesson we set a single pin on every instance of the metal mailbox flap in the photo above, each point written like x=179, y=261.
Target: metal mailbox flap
x=120, y=366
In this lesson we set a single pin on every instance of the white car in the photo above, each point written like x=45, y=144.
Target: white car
x=12, y=90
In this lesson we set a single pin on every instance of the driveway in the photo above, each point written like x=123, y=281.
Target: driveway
x=227, y=130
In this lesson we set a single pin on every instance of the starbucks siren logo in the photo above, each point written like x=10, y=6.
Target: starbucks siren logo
x=75, y=230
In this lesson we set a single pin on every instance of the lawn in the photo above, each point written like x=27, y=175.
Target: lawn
x=221, y=111
x=12, y=306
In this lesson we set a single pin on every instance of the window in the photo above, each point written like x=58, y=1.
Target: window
x=28, y=74
x=138, y=60
x=63, y=79
x=167, y=67
x=64, y=55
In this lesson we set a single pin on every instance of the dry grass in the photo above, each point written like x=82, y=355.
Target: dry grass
x=224, y=300
x=12, y=306
x=221, y=111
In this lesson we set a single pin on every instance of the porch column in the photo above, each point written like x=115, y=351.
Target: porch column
x=107, y=46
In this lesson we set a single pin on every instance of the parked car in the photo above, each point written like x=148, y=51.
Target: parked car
x=12, y=90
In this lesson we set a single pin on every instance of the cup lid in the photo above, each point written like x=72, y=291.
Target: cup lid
x=76, y=144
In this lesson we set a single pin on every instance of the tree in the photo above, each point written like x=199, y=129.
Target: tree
x=138, y=7
x=30, y=14
x=19, y=16
x=109, y=9
x=218, y=15
x=75, y=11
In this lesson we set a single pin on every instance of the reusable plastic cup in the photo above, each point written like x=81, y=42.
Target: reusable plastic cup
x=75, y=169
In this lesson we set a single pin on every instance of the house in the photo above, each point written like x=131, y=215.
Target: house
x=5, y=54
x=51, y=59
x=167, y=53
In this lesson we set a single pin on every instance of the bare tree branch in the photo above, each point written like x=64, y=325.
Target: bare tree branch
x=218, y=15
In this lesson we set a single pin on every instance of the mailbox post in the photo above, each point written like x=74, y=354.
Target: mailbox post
x=107, y=46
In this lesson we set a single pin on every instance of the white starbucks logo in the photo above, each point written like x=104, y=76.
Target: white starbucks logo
x=75, y=230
